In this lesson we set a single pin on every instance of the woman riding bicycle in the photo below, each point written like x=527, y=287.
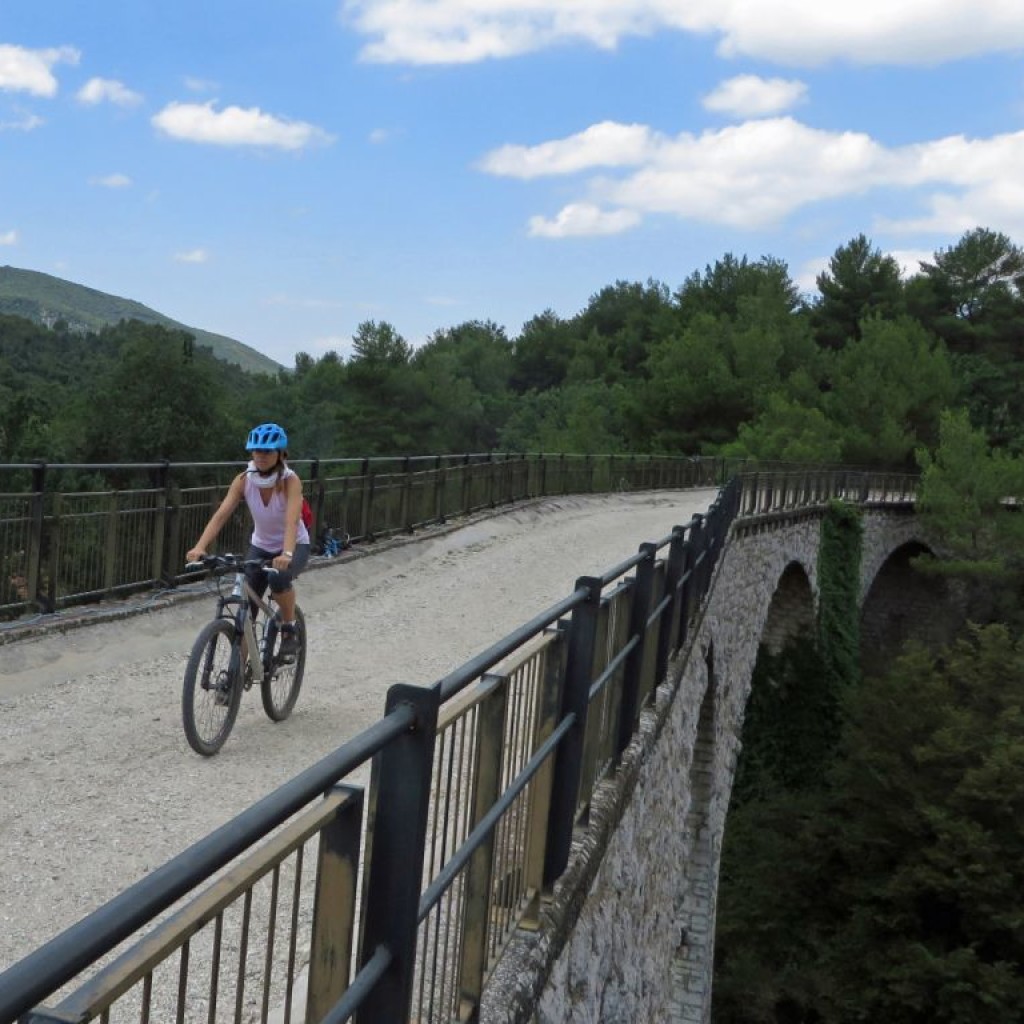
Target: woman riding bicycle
x=273, y=493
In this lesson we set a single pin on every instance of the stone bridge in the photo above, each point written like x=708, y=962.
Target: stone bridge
x=629, y=934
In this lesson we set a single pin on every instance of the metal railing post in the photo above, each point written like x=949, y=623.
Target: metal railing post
x=404, y=502
x=158, y=538
x=396, y=835
x=110, y=542
x=316, y=488
x=671, y=627
x=50, y=566
x=34, y=568
x=552, y=686
x=440, y=479
x=486, y=788
x=640, y=611
x=366, y=504
x=575, y=701
x=334, y=907
x=174, y=553
x=682, y=613
x=698, y=555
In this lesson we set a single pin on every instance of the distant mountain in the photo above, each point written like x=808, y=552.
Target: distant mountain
x=47, y=299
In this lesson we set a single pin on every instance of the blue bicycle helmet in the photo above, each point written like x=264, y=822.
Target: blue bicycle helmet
x=267, y=436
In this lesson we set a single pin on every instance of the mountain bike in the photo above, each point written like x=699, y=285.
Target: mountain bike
x=237, y=649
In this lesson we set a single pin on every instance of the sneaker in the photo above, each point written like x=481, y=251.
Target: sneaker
x=289, y=648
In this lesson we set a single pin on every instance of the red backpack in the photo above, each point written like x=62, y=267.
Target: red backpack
x=307, y=513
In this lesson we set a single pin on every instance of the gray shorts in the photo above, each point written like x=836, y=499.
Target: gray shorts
x=280, y=582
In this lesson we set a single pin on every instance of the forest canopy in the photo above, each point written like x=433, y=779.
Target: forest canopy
x=734, y=360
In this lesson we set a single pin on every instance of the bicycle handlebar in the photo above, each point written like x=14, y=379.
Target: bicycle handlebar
x=230, y=561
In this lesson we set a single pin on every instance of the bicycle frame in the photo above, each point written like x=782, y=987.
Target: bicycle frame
x=244, y=597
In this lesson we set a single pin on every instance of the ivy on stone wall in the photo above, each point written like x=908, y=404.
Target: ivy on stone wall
x=839, y=557
x=784, y=746
x=792, y=721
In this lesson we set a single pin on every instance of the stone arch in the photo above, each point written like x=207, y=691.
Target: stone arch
x=903, y=604
x=792, y=609
x=884, y=534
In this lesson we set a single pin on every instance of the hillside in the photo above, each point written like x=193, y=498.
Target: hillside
x=46, y=299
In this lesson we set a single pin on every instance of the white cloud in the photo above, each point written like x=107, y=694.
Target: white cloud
x=756, y=174
x=109, y=90
x=26, y=123
x=235, y=126
x=194, y=84
x=910, y=260
x=116, y=180
x=9, y=237
x=192, y=256
x=31, y=71
x=753, y=96
x=806, y=276
x=790, y=32
x=606, y=144
x=584, y=219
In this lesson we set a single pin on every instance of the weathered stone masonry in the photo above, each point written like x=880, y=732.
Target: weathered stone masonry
x=628, y=936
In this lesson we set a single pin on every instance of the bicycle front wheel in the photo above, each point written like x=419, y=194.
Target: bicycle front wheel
x=213, y=688
x=283, y=679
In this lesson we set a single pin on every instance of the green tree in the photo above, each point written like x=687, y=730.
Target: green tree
x=860, y=283
x=963, y=495
x=380, y=388
x=618, y=328
x=724, y=285
x=969, y=500
x=893, y=892
x=321, y=391
x=378, y=345
x=971, y=297
x=982, y=271
x=787, y=431
x=465, y=373
x=887, y=392
x=169, y=401
x=722, y=370
x=581, y=418
x=542, y=353
x=927, y=823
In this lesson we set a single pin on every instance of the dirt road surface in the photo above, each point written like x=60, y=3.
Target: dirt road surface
x=98, y=783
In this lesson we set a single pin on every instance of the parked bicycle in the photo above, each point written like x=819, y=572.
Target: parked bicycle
x=239, y=648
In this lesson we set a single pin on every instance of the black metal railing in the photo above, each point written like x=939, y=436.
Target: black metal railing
x=74, y=533
x=478, y=783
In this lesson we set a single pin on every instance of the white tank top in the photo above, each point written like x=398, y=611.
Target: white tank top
x=268, y=520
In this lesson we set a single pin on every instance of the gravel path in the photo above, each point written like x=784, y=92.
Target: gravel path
x=99, y=785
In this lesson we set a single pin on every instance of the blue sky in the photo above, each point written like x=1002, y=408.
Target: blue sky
x=280, y=172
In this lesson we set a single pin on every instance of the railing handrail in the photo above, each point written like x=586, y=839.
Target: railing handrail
x=113, y=536
x=58, y=961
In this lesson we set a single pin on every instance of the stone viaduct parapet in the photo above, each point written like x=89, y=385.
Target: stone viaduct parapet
x=629, y=933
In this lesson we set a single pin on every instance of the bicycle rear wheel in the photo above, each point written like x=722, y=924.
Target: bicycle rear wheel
x=213, y=688
x=282, y=681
